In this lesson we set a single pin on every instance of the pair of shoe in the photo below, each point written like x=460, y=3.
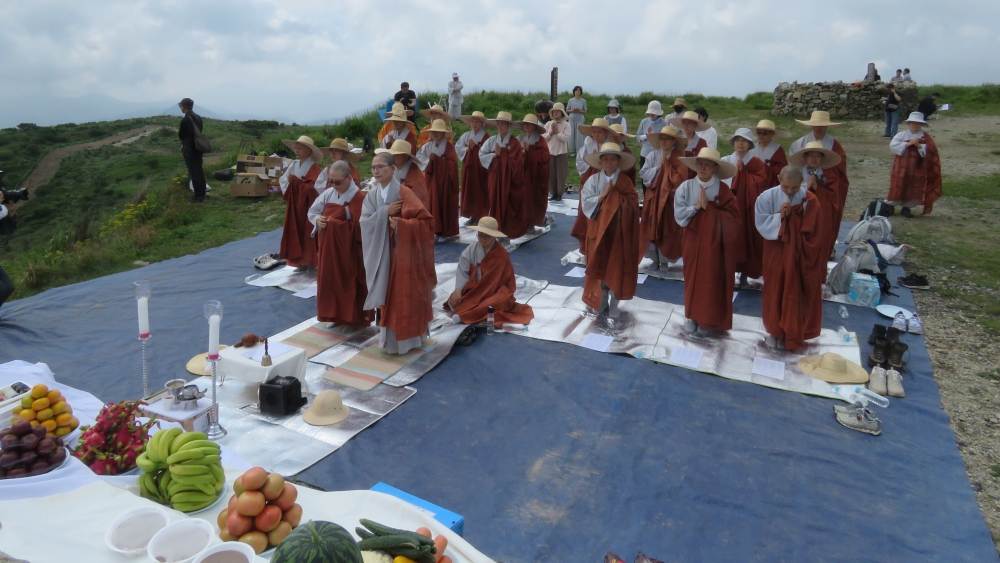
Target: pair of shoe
x=886, y=382
x=467, y=337
x=906, y=212
x=914, y=281
x=885, y=333
x=911, y=325
x=887, y=353
x=267, y=261
x=857, y=417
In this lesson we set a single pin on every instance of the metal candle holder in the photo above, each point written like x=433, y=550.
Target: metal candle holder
x=143, y=291
x=215, y=430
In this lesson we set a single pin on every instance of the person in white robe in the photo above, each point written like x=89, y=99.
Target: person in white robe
x=652, y=123
x=455, y=97
x=594, y=135
x=332, y=196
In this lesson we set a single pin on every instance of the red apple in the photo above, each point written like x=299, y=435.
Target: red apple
x=273, y=487
x=287, y=497
x=256, y=540
x=293, y=515
x=254, y=478
x=268, y=519
x=237, y=524
x=279, y=533
x=221, y=520
x=250, y=503
x=232, y=503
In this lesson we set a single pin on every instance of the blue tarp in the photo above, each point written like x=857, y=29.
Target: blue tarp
x=553, y=452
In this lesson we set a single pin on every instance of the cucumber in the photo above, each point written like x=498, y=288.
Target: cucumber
x=381, y=530
x=363, y=533
x=384, y=543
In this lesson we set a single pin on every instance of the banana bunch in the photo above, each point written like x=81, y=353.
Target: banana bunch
x=181, y=469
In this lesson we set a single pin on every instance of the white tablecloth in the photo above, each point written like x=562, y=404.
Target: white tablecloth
x=233, y=364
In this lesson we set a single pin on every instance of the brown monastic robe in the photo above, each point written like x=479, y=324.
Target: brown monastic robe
x=506, y=188
x=658, y=223
x=441, y=176
x=916, y=178
x=340, y=274
x=496, y=289
x=298, y=248
x=613, y=244
x=750, y=181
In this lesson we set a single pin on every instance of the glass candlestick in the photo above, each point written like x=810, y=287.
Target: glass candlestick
x=213, y=312
x=143, y=291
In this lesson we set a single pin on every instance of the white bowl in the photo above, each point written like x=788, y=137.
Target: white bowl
x=131, y=533
x=181, y=541
x=235, y=548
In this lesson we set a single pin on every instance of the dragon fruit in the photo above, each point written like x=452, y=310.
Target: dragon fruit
x=116, y=439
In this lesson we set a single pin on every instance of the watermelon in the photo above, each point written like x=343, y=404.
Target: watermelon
x=318, y=542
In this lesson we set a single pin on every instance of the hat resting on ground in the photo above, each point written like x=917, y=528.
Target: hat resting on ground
x=438, y=126
x=501, y=116
x=833, y=368
x=489, y=226
x=317, y=155
x=619, y=132
x=915, y=117
x=819, y=119
x=627, y=161
x=467, y=119
x=341, y=145
x=654, y=108
x=726, y=170
x=326, y=409
x=656, y=141
x=528, y=118
x=558, y=106
x=598, y=123
x=400, y=146
x=769, y=125
x=678, y=122
x=745, y=133
x=830, y=158
x=427, y=113
x=196, y=365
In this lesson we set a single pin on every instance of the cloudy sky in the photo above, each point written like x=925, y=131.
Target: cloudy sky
x=306, y=60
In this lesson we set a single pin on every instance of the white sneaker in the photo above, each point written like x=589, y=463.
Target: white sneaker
x=877, y=382
x=894, y=380
x=899, y=321
x=915, y=326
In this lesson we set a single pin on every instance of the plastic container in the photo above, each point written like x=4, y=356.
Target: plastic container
x=131, y=533
x=227, y=552
x=861, y=395
x=182, y=541
x=564, y=261
x=864, y=290
x=844, y=335
x=843, y=312
x=649, y=352
x=490, y=329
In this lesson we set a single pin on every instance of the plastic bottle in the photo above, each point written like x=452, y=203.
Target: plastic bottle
x=489, y=320
x=564, y=261
x=843, y=312
x=513, y=327
x=649, y=352
x=861, y=395
x=844, y=334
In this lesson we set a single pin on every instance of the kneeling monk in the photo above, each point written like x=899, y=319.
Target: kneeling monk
x=485, y=278
x=298, y=189
x=399, y=259
x=609, y=201
x=788, y=217
x=340, y=274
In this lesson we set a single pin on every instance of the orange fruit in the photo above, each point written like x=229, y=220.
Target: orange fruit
x=17, y=410
x=26, y=414
x=63, y=430
x=49, y=425
x=73, y=423
x=44, y=414
x=39, y=391
x=60, y=407
x=64, y=419
x=40, y=404
x=54, y=396
x=27, y=400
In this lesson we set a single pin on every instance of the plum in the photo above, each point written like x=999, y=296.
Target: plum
x=39, y=431
x=10, y=443
x=42, y=466
x=16, y=472
x=59, y=442
x=8, y=459
x=4, y=432
x=27, y=458
x=45, y=447
x=57, y=456
x=30, y=442
x=20, y=428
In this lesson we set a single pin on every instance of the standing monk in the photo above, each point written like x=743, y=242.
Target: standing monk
x=503, y=156
x=298, y=189
x=819, y=170
x=594, y=136
x=707, y=210
x=819, y=121
x=749, y=182
x=788, y=217
x=434, y=113
x=340, y=275
x=485, y=278
x=475, y=178
x=690, y=124
x=663, y=173
x=400, y=131
x=770, y=152
x=389, y=126
x=339, y=150
x=618, y=135
x=536, y=168
x=408, y=170
x=916, y=170
x=609, y=200
x=441, y=175
x=399, y=259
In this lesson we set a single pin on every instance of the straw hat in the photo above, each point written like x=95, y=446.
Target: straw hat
x=726, y=170
x=620, y=133
x=489, y=226
x=501, y=116
x=326, y=409
x=654, y=108
x=678, y=122
x=613, y=104
x=627, y=161
x=427, y=113
x=598, y=123
x=769, y=125
x=558, y=106
x=196, y=365
x=467, y=119
x=398, y=114
x=528, y=118
x=833, y=368
x=915, y=117
x=398, y=106
x=439, y=126
x=341, y=145
x=400, y=146
x=830, y=158
x=679, y=102
x=819, y=119
x=743, y=132
x=317, y=155
x=656, y=141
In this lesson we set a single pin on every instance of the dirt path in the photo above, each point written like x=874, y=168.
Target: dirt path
x=49, y=164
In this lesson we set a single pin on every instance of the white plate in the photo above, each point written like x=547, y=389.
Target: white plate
x=222, y=494
x=142, y=522
x=891, y=310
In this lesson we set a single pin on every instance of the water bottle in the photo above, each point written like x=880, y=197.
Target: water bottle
x=649, y=352
x=843, y=312
x=844, y=334
x=565, y=260
x=489, y=320
x=513, y=327
x=861, y=395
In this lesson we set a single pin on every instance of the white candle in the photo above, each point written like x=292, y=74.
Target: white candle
x=143, y=317
x=213, y=336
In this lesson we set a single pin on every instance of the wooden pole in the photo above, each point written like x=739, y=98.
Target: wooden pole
x=555, y=83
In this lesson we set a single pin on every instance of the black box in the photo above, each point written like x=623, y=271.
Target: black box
x=280, y=396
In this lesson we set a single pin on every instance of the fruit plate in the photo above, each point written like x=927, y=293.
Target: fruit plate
x=47, y=474
x=222, y=495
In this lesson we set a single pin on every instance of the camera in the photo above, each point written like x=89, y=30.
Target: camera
x=12, y=196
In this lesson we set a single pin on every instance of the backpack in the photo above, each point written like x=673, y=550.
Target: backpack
x=876, y=228
x=876, y=208
x=201, y=143
x=859, y=256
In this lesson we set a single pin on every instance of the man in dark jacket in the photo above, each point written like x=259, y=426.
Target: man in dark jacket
x=929, y=105
x=192, y=156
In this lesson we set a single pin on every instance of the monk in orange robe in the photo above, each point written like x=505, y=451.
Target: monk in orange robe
x=536, y=168
x=769, y=151
x=819, y=167
x=340, y=275
x=594, y=137
x=819, y=122
x=916, y=169
x=503, y=156
x=707, y=210
x=788, y=218
x=388, y=126
x=659, y=234
x=339, y=149
x=690, y=124
x=748, y=183
x=400, y=131
x=485, y=278
x=475, y=178
x=408, y=170
x=298, y=189
x=441, y=175
x=433, y=113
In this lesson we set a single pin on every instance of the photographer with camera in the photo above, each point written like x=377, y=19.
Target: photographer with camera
x=7, y=212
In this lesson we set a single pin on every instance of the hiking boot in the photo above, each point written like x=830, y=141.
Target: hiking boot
x=862, y=420
x=878, y=331
x=905, y=212
x=914, y=281
x=899, y=322
x=895, y=356
x=877, y=381
x=892, y=334
x=880, y=353
x=914, y=325
x=894, y=380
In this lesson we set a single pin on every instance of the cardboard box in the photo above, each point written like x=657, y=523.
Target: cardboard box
x=245, y=161
x=249, y=185
x=454, y=522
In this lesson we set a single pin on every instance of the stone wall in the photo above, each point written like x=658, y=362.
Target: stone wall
x=859, y=100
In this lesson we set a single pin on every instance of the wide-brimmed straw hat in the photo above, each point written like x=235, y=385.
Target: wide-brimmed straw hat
x=915, y=117
x=501, y=116
x=619, y=131
x=598, y=123
x=439, y=126
x=317, y=155
x=819, y=118
x=341, y=145
x=726, y=170
x=467, y=119
x=398, y=106
x=400, y=146
x=833, y=368
x=427, y=113
x=656, y=141
x=744, y=132
x=326, y=409
x=489, y=226
x=397, y=114
x=678, y=122
x=197, y=364
x=654, y=108
x=679, y=102
x=528, y=118
x=627, y=161
x=830, y=158
x=558, y=106
x=769, y=125
x=613, y=104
